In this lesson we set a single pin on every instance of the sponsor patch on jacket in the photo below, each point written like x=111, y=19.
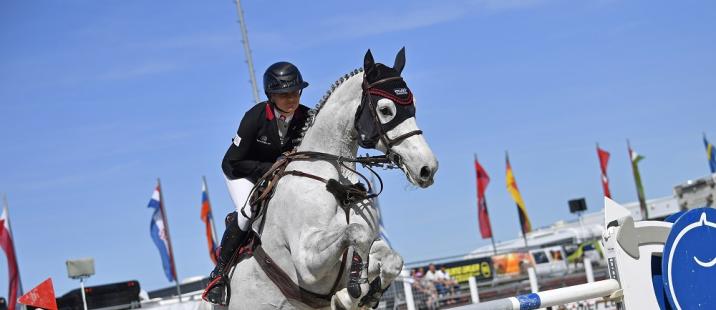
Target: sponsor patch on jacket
x=263, y=140
x=236, y=140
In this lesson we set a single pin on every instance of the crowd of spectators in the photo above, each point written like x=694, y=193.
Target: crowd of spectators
x=434, y=287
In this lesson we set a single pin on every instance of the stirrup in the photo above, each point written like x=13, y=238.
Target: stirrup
x=217, y=291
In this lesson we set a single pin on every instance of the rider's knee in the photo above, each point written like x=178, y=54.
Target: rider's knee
x=232, y=219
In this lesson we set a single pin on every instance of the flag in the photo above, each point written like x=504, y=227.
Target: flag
x=710, y=154
x=603, y=160
x=635, y=159
x=376, y=204
x=160, y=234
x=6, y=242
x=483, y=218
x=515, y=193
x=208, y=218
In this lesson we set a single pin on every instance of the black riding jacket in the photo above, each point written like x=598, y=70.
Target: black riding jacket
x=257, y=144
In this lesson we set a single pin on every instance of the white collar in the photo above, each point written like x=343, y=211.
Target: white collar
x=278, y=115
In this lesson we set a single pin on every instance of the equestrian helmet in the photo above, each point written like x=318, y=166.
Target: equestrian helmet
x=283, y=77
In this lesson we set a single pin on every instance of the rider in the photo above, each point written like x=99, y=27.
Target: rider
x=267, y=130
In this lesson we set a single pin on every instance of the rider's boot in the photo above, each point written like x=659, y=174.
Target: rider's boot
x=217, y=291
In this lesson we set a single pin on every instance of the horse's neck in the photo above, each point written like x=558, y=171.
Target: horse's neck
x=332, y=129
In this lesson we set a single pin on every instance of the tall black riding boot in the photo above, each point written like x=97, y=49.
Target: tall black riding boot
x=216, y=291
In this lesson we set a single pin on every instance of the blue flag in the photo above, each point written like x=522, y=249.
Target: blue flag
x=158, y=231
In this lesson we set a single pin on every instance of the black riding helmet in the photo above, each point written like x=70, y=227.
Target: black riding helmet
x=283, y=77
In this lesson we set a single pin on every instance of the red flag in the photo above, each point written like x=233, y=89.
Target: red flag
x=42, y=296
x=482, y=216
x=13, y=273
x=603, y=160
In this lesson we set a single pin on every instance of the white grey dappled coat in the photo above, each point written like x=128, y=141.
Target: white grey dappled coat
x=305, y=230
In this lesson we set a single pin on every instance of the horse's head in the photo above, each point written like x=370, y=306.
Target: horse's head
x=386, y=120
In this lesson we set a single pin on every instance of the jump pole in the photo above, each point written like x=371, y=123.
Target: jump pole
x=550, y=298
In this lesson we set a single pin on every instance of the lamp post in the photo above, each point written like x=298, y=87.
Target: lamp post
x=81, y=269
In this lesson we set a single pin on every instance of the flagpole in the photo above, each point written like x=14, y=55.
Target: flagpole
x=9, y=225
x=492, y=235
x=169, y=239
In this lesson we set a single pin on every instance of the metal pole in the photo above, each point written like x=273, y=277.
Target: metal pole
x=247, y=50
x=82, y=289
x=533, y=279
x=408, y=289
x=169, y=239
x=474, y=295
x=588, y=270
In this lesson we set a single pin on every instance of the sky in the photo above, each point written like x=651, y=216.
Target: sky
x=98, y=99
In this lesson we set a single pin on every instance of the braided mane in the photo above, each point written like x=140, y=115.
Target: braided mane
x=312, y=113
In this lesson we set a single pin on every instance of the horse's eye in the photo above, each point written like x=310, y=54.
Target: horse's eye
x=385, y=111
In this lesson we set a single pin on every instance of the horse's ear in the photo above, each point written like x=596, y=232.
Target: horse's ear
x=368, y=61
x=400, y=60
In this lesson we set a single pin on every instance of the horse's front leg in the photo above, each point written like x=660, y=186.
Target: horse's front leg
x=385, y=266
x=320, y=253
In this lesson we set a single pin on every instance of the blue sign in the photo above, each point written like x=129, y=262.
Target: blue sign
x=689, y=261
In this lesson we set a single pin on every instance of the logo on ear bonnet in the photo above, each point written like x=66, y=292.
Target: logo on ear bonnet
x=400, y=91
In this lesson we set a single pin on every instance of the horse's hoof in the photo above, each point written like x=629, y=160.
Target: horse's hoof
x=340, y=301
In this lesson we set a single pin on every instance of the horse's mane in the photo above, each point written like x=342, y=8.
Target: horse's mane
x=312, y=113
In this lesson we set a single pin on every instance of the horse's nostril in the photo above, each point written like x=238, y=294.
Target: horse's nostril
x=425, y=173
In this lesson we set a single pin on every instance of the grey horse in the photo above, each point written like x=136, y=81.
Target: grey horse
x=305, y=230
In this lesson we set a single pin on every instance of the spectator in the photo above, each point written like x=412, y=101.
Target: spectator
x=432, y=276
x=449, y=283
x=424, y=289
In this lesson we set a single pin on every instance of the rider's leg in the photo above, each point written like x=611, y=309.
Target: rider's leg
x=234, y=237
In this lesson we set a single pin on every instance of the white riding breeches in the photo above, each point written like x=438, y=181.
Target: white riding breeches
x=239, y=190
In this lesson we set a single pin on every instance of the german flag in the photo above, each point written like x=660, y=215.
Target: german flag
x=710, y=154
x=515, y=193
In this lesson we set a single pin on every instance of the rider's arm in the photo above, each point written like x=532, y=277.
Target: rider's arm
x=235, y=163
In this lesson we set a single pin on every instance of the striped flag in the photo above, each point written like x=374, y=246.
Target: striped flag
x=710, y=154
x=483, y=218
x=208, y=218
x=635, y=159
x=7, y=244
x=159, y=231
x=603, y=160
x=525, y=224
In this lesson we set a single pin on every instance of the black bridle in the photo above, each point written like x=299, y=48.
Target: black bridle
x=367, y=101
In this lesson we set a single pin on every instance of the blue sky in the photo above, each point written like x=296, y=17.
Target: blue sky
x=99, y=98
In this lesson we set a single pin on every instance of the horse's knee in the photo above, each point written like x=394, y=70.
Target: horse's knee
x=359, y=235
x=391, y=265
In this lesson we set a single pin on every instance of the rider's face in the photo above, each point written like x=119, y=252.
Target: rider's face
x=287, y=102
